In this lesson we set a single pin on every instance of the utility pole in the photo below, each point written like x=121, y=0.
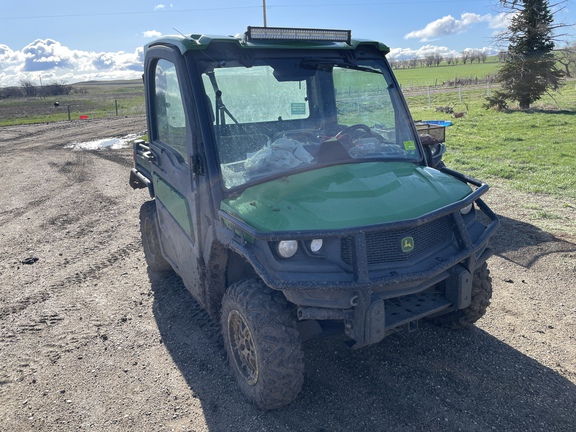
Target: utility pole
x=264, y=10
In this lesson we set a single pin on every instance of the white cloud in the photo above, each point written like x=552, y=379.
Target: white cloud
x=501, y=21
x=159, y=7
x=8, y=57
x=46, y=54
x=408, y=53
x=487, y=50
x=448, y=25
x=151, y=34
x=51, y=61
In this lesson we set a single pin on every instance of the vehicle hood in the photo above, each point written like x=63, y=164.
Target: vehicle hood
x=346, y=196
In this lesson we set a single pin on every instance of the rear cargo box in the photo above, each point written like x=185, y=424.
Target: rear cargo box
x=430, y=133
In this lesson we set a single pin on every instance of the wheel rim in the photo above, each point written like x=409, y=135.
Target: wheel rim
x=242, y=347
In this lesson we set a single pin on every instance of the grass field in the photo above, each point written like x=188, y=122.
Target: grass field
x=436, y=76
x=94, y=99
x=532, y=151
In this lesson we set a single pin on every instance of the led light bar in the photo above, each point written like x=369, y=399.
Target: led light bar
x=298, y=34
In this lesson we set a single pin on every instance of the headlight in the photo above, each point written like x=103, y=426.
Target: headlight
x=467, y=209
x=316, y=245
x=287, y=248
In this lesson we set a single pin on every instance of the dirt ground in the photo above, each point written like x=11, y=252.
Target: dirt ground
x=90, y=341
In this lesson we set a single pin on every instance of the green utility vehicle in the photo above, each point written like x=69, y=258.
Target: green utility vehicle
x=293, y=195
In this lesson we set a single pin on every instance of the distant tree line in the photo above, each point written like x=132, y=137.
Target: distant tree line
x=29, y=89
x=565, y=56
x=474, y=55
x=435, y=60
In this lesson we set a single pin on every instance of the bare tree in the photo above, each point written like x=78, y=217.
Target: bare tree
x=56, y=89
x=29, y=89
x=429, y=60
x=503, y=56
x=482, y=56
x=567, y=57
x=10, y=92
x=474, y=55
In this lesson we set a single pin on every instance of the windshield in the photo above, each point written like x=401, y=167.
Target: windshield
x=282, y=116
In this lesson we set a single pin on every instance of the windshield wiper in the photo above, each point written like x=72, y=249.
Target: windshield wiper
x=221, y=109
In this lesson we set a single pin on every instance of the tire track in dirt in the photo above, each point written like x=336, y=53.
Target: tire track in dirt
x=8, y=215
x=19, y=365
x=78, y=219
x=122, y=160
x=119, y=255
x=79, y=276
x=24, y=132
x=75, y=170
x=29, y=325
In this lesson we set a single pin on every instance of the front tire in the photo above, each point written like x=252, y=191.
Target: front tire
x=481, y=295
x=151, y=238
x=262, y=342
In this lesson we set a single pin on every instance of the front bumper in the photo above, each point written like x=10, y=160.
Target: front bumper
x=374, y=299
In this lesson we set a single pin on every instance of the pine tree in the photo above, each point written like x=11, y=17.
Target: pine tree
x=530, y=69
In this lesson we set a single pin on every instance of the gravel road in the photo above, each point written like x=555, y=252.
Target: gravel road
x=90, y=341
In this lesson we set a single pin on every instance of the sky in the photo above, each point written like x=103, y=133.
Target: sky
x=74, y=41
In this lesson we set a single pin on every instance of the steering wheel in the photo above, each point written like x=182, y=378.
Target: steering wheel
x=356, y=131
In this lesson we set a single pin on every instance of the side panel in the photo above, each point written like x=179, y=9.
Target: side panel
x=176, y=205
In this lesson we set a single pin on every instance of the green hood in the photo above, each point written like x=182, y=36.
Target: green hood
x=346, y=196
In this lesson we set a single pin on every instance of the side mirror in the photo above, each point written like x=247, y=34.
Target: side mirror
x=434, y=153
x=432, y=135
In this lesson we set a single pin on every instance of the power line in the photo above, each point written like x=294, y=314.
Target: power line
x=126, y=13
x=332, y=5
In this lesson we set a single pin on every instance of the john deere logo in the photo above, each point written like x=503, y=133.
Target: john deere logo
x=407, y=244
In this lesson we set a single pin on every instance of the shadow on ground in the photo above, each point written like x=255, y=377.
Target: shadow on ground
x=525, y=244
x=433, y=379
x=430, y=380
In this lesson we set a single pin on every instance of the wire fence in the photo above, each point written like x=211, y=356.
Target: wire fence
x=435, y=93
x=34, y=110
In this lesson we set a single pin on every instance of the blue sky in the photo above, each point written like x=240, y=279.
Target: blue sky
x=79, y=40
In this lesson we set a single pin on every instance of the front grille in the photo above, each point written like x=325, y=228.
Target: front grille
x=386, y=246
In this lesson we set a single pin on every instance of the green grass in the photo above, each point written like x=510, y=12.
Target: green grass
x=99, y=101
x=436, y=75
x=531, y=151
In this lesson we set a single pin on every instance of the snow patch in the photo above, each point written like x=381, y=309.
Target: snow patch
x=105, y=143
